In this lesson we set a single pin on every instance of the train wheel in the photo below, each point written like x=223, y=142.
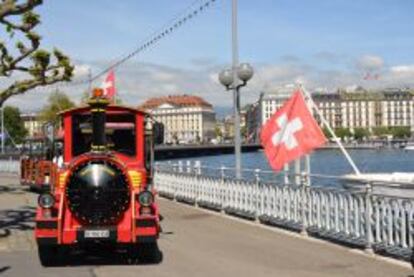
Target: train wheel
x=148, y=253
x=48, y=255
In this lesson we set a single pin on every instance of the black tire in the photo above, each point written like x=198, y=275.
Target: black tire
x=48, y=255
x=148, y=253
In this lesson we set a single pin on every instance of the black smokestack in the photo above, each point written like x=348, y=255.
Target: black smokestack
x=98, y=106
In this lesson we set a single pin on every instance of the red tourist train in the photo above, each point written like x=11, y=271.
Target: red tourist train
x=102, y=193
x=36, y=165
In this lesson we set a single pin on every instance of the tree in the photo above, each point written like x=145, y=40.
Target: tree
x=381, y=131
x=36, y=67
x=56, y=103
x=360, y=133
x=14, y=125
x=400, y=132
x=343, y=132
x=243, y=132
x=217, y=131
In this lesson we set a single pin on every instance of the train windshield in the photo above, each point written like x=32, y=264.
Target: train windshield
x=119, y=129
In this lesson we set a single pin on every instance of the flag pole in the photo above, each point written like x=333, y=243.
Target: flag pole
x=114, y=100
x=331, y=131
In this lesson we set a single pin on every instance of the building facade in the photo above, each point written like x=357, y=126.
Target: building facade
x=187, y=119
x=367, y=109
x=343, y=109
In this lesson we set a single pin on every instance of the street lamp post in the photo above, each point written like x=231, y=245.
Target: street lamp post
x=244, y=72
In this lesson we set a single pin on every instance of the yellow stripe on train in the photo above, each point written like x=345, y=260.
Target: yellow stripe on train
x=136, y=178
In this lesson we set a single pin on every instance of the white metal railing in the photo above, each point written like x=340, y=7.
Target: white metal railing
x=361, y=218
x=9, y=166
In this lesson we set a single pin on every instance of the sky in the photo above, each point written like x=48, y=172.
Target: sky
x=323, y=44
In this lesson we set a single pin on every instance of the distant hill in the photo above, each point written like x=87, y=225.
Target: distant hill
x=221, y=112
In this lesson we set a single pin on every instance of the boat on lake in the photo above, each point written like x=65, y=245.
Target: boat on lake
x=399, y=184
x=409, y=146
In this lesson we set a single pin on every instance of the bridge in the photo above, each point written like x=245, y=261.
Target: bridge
x=203, y=236
x=177, y=151
x=163, y=152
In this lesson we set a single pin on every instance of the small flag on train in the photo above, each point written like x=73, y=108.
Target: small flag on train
x=290, y=133
x=108, y=86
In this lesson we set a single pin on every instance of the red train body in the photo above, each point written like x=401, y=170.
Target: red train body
x=101, y=193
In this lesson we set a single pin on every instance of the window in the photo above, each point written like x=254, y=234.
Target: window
x=119, y=129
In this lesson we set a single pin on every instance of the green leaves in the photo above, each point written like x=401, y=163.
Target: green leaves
x=31, y=19
x=57, y=102
x=41, y=59
x=14, y=124
x=43, y=67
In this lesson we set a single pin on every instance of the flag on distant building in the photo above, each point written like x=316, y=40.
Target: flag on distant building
x=109, y=85
x=290, y=133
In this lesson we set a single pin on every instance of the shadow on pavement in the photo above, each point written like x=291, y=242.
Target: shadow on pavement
x=4, y=269
x=16, y=189
x=11, y=189
x=100, y=257
x=18, y=219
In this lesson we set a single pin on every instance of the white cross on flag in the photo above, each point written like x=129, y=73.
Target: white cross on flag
x=108, y=85
x=290, y=133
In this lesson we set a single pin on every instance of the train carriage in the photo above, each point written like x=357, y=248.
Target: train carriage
x=102, y=193
x=36, y=164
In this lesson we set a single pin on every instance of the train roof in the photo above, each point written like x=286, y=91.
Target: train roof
x=110, y=108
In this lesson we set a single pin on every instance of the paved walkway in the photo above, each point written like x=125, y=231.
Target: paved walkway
x=194, y=243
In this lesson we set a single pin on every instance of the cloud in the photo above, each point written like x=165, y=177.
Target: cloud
x=330, y=57
x=138, y=81
x=81, y=71
x=370, y=63
x=402, y=70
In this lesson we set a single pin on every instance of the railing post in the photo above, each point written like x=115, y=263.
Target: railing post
x=188, y=167
x=225, y=195
x=297, y=172
x=286, y=174
x=197, y=167
x=368, y=219
x=307, y=170
x=304, y=203
x=222, y=172
x=258, y=195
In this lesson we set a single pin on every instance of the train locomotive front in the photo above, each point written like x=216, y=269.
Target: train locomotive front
x=98, y=191
x=103, y=192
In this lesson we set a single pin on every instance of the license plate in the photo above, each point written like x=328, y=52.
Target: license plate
x=97, y=234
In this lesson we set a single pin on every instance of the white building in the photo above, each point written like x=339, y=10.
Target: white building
x=186, y=119
x=32, y=124
x=343, y=109
x=367, y=109
x=272, y=100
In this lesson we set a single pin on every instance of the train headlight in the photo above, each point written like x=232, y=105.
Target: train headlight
x=46, y=201
x=145, y=198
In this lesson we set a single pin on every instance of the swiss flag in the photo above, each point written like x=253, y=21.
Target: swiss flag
x=290, y=133
x=109, y=85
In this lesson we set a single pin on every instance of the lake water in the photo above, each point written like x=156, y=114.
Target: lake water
x=326, y=162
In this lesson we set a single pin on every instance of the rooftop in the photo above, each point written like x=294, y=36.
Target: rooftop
x=175, y=100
